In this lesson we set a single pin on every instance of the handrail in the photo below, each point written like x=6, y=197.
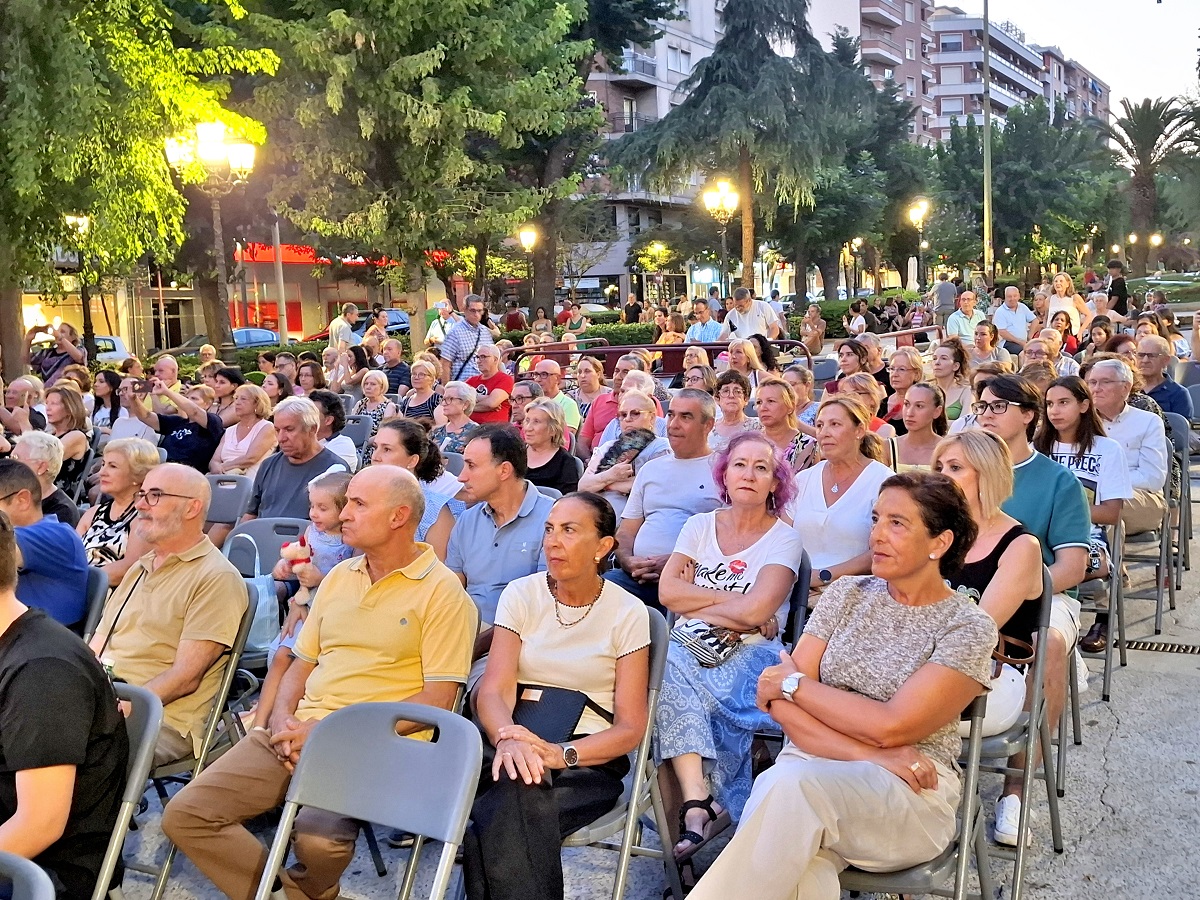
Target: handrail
x=672, y=354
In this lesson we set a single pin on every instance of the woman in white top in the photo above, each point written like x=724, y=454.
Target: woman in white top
x=832, y=508
x=728, y=580
x=743, y=358
x=1064, y=296
x=245, y=443
x=564, y=628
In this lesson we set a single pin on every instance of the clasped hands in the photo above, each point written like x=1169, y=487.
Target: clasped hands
x=287, y=735
x=522, y=754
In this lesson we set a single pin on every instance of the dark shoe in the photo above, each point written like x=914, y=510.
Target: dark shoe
x=401, y=840
x=1096, y=640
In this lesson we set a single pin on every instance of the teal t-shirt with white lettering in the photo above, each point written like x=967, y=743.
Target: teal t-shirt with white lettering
x=1049, y=501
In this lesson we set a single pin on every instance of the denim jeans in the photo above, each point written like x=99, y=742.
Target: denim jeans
x=647, y=593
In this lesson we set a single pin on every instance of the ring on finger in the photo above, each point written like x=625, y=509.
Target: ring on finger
x=916, y=768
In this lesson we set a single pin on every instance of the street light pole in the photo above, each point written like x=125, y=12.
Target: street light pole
x=916, y=215
x=81, y=225
x=988, y=249
x=721, y=203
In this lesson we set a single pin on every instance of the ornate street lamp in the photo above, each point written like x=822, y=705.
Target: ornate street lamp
x=916, y=214
x=528, y=237
x=224, y=165
x=721, y=202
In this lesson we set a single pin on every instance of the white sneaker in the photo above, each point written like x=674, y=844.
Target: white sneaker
x=1081, y=673
x=1008, y=815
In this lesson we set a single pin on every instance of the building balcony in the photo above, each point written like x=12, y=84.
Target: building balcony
x=627, y=123
x=882, y=50
x=638, y=69
x=1001, y=96
x=882, y=12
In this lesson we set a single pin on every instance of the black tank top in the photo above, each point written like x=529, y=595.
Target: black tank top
x=974, y=577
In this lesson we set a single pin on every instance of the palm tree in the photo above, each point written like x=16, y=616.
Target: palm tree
x=1149, y=137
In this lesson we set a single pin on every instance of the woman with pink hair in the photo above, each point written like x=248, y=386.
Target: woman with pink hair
x=728, y=583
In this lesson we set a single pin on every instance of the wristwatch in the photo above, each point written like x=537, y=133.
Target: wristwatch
x=825, y=576
x=789, y=685
x=570, y=755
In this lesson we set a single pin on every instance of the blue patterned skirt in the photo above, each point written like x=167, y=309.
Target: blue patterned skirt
x=711, y=712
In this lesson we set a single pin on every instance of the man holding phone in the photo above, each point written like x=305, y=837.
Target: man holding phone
x=49, y=362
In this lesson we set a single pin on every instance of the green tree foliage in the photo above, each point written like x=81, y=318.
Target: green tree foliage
x=751, y=112
x=89, y=91
x=1151, y=137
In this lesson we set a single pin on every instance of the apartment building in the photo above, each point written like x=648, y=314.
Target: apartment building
x=957, y=58
x=1066, y=81
x=896, y=40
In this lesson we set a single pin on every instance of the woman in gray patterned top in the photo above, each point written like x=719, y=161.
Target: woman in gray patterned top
x=870, y=702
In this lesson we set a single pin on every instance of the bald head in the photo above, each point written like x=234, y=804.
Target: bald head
x=384, y=505
x=548, y=374
x=1053, y=341
x=172, y=508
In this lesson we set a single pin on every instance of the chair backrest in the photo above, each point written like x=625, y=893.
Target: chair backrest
x=29, y=882
x=432, y=783
x=798, y=603
x=1189, y=377
x=659, y=638
x=1178, y=433
x=230, y=495
x=142, y=725
x=824, y=369
x=81, y=484
x=454, y=463
x=162, y=455
x=358, y=429
x=552, y=493
x=269, y=535
x=348, y=402
x=1194, y=390
x=579, y=468
x=97, y=594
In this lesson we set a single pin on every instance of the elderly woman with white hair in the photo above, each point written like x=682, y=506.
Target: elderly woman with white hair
x=644, y=383
x=43, y=453
x=611, y=470
x=458, y=402
x=375, y=403
x=106, y=528
x=550, y=465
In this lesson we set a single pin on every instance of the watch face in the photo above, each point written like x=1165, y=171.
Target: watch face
x=570, y=756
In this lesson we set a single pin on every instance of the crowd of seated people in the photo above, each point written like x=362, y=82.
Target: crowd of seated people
x=503, y=531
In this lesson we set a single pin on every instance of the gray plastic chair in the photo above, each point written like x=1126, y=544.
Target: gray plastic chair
x=931, y=877
x=580, y=468
x=454, y=463
x=824, y=370
x=29, y=882
x=1179, y=434
x=429, y=789
x=97, y=594
x=644, y=788
x=348, y=402
x=268, y=536
x=162, y=455
x=78, y=491
x=358, y=429
x=1024, y=736
x=230, y=496
x=552, y=493
x=143, y=725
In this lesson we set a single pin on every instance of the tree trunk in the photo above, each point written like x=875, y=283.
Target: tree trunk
x=545, y=273
x=416, y=301
x=479, y=284
x=873, y=264
x=12, y=326
x=828, y=267
x=800, y=285
x=746, y=190
x=1143, y=200
x=215, y=310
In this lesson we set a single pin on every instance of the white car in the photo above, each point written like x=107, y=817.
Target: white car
x=108, y=348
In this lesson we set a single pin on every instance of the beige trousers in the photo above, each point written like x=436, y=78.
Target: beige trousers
x=171, y=746
x=1144, y=512
x=809, y=818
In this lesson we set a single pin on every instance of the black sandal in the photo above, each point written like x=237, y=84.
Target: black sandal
x=717, y=822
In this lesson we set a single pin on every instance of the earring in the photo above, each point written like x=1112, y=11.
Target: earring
x=933, y=556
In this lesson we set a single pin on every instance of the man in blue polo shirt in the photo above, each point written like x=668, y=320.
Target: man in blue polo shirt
x=52, y=567
x=1153, y=358
x=706, y=329
x=1049, y=501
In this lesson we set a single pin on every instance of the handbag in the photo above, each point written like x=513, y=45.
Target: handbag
x=553, y=713
x=266, y=624
x=710, y=644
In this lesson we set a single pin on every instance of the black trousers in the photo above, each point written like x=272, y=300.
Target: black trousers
x=512, y=848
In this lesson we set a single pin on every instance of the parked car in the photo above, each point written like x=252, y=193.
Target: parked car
x=242, y=338
x=108, y=348
x=397, y=324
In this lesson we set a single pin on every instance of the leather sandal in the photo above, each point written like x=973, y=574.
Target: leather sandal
x=717, y=822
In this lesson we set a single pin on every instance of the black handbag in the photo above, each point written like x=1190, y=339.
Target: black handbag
x=553, y=713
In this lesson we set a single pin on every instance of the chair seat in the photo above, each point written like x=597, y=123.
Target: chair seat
x=1006, y=743
x=915, y=879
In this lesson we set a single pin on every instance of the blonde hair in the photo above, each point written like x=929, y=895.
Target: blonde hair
x=988, y=455
x=72, y=402
x=751, y=351
x=861, y=381
x=376, y=375
x=205, y=391
x=1070, y=284
x=789, y=398
x=642, y=398
x=334, y=484
x=870, y=446
x=912, y=356
x=557, y=418
x=262, y=403
x=140, y=455
x=426, y=366
x=696, y=352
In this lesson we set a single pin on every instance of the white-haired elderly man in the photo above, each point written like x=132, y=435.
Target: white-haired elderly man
x=44, y=454
x=1142, y=436
x=281, y=486
x=1053, y=341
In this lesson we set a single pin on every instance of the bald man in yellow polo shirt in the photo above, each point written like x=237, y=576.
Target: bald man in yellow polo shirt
x=391, y=625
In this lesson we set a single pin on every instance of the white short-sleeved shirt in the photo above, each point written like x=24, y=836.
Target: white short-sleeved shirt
x=1014, y=320
x=758, y=320
x=665, y=494
x=1102, y=471
x=834, y=534
x=582, y=657
x=737, y=572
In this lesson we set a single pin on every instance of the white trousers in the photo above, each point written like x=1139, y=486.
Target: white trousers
x=808, y=818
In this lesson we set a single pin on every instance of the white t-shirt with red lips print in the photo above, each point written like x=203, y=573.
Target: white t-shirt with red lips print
x=736, y=573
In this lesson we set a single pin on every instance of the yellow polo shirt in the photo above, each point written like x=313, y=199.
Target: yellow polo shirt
x=196, y=595
x=380, y=642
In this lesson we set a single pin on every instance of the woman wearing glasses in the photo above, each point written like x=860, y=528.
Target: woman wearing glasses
x=905, y=368
x=612, y=467
x=422, y=399
x=733, y=393
x=701, y=378
x=693, y=357
x=458, y=402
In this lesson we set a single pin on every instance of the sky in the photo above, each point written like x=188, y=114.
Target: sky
x=1141, y=48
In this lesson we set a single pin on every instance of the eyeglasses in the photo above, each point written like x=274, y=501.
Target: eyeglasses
x=896, y=369
x=540, y=375
x=1149, y=355
x=1101, y=382
x=693, y=379
x=632, y=414
x=996, y=407
x=6, y=496
x=731, y=392
x=477, y=310
x=154, y=495
x=1036, y=354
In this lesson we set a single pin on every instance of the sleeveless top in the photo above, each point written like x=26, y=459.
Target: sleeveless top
x=71, y=472
x=375, y=415
x=105, y=539
x=423, y=410
x=231, y=447
x=974, y=577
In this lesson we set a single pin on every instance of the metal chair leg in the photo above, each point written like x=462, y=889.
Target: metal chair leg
x=373, y=848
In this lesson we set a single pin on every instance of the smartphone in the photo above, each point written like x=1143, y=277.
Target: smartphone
x=140, y=386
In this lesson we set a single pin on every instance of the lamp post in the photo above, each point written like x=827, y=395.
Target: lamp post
x=528, y=237
x=721, y=203
x=916, y=214
x=81, y=225
x=224, y=165
x=1156, y=241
